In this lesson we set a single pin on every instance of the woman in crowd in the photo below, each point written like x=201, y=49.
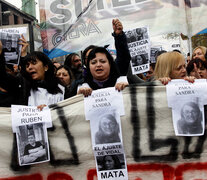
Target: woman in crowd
x=191, y=119
x=199, y=52
x=171, y=65
x=108, y=131
x=66, y=80
x=37, y=85
x=102, y=72
x=197, y=68
x=64, y=75
x=110, y=162
x=122, y=52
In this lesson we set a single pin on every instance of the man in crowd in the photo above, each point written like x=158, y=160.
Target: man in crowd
x=73, y=61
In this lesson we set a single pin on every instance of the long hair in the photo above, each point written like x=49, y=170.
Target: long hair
x=114, y=72
x=113, y=120
x=117, y=164
x=166, y=63
x=50, y=81
x=69, y=58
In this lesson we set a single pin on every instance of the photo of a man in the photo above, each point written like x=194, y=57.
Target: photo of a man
x=191, y=121
x=34, y=151
x=11, y=48
x=32, y=144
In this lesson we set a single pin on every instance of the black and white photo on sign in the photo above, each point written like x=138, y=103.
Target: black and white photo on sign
x=137, y=34
x=110, y=162
x=11, y=47
x=139, y=47
x=105, y=126
x=188, y=117
x=154, y=53
x=139, y=60
x=32, y=143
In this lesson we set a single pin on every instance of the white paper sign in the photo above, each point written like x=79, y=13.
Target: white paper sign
x=179, y=88
x=32, y=143
x=104, y=98
x=108, y=145
x=187, y=101
x=139, y=48
x=23, y=115
x=10, y=42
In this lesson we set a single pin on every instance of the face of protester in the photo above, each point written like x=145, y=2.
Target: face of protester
x=109, y=163
x=100, y=67
x=190, y=114
x=64, y=77
x=180, y=71
x=202, y=72
x=108, y=126
x=31, y=140
x=76, y=63
x=198, y=54
x=149, y=73
x=36, y=69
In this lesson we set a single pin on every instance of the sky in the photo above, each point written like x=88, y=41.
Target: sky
x=18, y=4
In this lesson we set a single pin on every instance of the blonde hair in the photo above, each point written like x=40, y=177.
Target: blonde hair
x=202, y=48
x=166, y=63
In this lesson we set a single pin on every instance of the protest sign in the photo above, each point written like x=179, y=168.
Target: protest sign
x=153, y=53
x=106, y=135
x=32, y=143
x=10, y=42
x=152, y=150
x=187, y=101
x=30, y=125
x=107, y=97
x=103, y=109
x=68, y=25
x=139, y=48
x=24, y=115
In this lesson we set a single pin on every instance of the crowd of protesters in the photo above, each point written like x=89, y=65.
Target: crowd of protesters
x=37, y=81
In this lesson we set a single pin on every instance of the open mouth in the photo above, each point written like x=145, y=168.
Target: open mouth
x=32, y=73
x=99, y=70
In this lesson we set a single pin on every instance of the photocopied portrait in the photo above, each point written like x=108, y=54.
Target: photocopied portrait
x=32, y=143
x=108, y=130
x=191, y=120
x=139, y=60
x=11, y=48
x=110, y=162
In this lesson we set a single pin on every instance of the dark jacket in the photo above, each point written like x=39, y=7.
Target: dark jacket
x=17, y=86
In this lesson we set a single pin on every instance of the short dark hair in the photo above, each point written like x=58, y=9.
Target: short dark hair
x=198, y=63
